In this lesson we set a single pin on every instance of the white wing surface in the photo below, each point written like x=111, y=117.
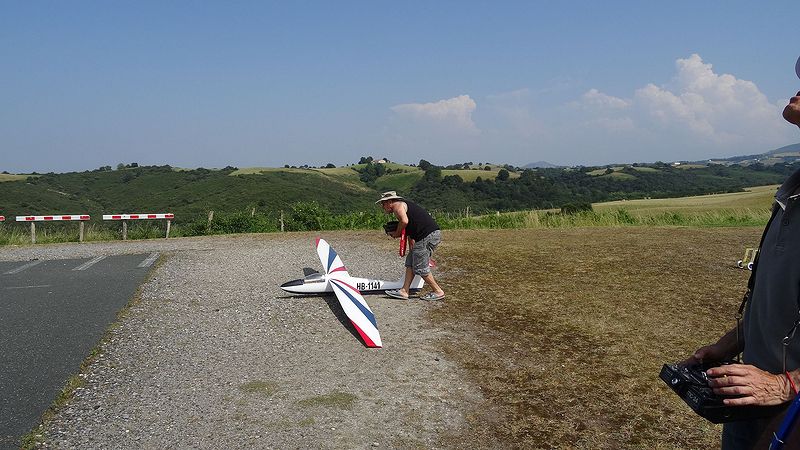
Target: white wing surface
x=353, y=304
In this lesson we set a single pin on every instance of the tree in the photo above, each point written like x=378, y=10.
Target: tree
x=434, y=173
x=424, y=165
x=502, y=175
x=330, y=166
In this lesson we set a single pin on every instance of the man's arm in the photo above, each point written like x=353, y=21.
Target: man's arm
x=399, y=210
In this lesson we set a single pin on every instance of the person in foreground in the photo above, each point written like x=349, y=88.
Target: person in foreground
x=424, y=236
x=766, y=376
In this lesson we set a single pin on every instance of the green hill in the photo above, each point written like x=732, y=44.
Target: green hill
x=186, y=193
x=190, y=194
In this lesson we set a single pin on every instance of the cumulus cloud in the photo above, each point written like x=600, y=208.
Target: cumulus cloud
x=454, y=113
x=698, y=114
x=596, y=98
x=717, y=108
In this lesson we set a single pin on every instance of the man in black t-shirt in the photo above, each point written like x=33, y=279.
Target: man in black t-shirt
x=424, y=235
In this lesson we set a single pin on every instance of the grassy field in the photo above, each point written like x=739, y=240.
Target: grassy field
x=753, y=198
x=12, y=177
x=565, y=330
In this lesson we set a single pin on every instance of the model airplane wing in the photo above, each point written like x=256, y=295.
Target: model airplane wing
x=353, y=304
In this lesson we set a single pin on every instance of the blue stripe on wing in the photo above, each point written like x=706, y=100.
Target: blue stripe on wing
x=331, y=257
x=364, y=310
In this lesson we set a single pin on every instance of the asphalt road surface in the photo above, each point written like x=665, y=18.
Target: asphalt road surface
x=52, y=313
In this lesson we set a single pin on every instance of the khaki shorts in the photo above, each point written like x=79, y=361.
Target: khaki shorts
x=419, y=257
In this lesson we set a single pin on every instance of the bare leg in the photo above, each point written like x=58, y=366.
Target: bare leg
x=407, y=281
x=433, y=284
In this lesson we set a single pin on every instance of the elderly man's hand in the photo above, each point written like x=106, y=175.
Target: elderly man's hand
x=750, y=384
x=792, y=111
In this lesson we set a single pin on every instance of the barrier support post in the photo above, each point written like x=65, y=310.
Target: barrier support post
x=168, y=224
x=124, y=230
x=80, y=236
x=33, y=232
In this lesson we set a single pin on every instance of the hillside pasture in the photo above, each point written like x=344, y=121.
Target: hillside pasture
x=755, y=198
x=470, y=175
x=13, y=177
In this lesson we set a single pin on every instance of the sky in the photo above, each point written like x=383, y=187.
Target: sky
x=85, y=84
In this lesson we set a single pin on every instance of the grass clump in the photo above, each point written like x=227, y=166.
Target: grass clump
x=340, y=400
x=267, y=388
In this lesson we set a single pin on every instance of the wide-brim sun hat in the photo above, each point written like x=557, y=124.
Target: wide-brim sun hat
x=390, y=195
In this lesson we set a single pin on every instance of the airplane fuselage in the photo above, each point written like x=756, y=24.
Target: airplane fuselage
x=317, y=283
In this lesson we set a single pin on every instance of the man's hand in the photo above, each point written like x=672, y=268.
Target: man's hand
x=710, y=354
x=750, y=384
x=792, y=111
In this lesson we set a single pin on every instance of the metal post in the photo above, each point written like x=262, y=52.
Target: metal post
x=80, y=237
x=124, y=230
x=168, y=223
x=33, y=232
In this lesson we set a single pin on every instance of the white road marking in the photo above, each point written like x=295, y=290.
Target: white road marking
x=28, y=287
x=23, y=267
x=90, y=263
x=149, y=261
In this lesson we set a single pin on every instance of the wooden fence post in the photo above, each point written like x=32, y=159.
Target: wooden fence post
x=210, y=218
x=281, y=220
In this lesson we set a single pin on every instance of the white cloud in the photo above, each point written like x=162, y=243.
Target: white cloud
x=596, y=98
x=454, y=112
x=699, y=113
x=719, y=108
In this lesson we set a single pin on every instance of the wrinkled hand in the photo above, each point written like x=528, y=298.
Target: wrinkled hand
x=752, y=385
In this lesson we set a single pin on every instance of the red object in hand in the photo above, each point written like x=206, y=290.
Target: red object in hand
x=403, y=243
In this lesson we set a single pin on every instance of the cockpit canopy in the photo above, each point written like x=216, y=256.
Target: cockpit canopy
x=314, y=278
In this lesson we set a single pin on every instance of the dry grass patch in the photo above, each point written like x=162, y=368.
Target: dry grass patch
x=565, y=330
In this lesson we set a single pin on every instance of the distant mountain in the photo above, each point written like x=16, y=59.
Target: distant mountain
x=540, y=165
x=786, y=154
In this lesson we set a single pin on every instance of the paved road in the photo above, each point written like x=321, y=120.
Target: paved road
x=52, y=313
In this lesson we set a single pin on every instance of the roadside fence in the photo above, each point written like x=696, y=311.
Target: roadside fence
x=54, y=218
x=126, y=217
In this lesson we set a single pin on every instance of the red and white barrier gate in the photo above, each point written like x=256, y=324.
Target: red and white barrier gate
x=126, y=217
x=2, y=218
x=54, y=218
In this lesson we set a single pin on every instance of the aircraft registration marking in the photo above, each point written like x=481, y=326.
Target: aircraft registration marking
x=369, y=285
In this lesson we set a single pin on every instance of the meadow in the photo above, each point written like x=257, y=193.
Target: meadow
x=565, y=330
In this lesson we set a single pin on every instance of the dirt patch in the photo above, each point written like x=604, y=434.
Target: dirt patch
x=565, y=331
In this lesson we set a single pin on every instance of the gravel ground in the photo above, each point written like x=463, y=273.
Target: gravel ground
x=214, y=355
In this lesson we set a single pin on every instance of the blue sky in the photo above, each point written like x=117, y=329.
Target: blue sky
x=210, y=84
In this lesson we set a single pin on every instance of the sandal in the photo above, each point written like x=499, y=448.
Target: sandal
x=431, y=296
x=394, y=293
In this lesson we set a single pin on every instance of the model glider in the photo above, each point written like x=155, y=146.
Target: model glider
x=337, y=279
x=319, y=283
